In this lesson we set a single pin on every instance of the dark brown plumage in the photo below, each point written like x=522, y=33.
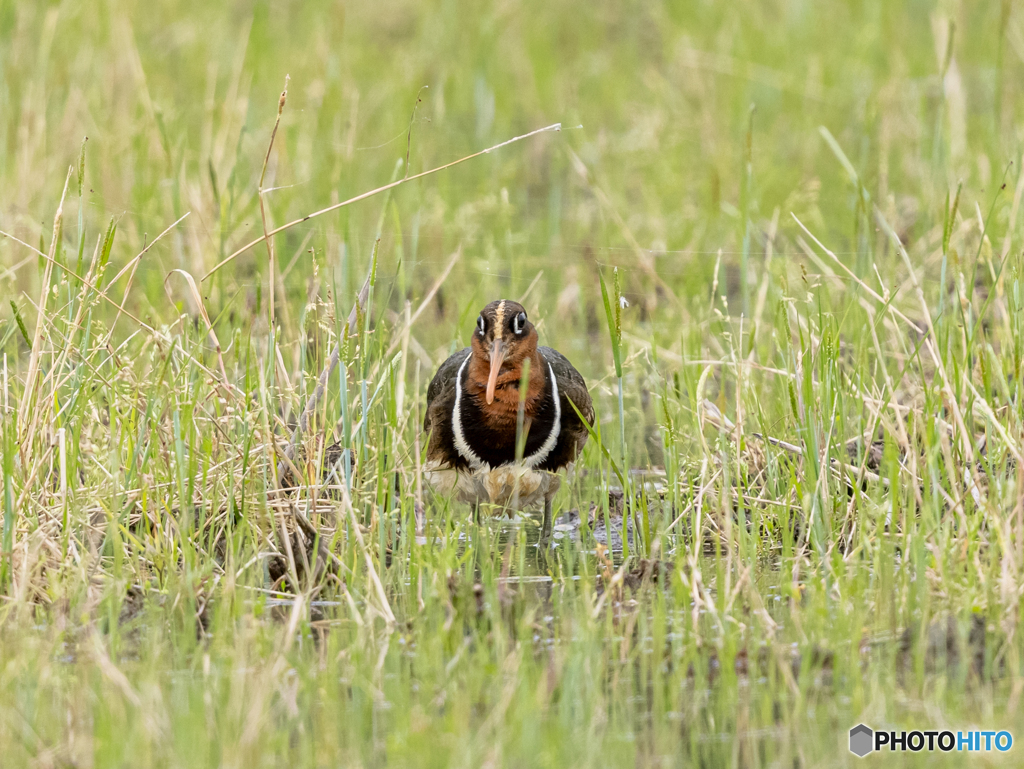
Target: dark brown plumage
x=472, y=411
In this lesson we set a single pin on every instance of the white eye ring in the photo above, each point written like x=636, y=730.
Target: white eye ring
x=519, y=322
x=481, y=325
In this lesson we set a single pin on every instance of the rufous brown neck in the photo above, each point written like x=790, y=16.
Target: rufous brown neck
x=503, y=410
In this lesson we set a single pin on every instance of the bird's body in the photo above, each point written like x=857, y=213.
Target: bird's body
x=473, y=410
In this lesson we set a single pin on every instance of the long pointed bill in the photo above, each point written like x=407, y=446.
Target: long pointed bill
x=492, y=378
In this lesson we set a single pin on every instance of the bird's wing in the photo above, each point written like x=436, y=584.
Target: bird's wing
x=571, y=384
x=441, y=392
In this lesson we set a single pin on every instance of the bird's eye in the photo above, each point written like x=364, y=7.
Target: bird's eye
x=481, y=325
x=519, y=323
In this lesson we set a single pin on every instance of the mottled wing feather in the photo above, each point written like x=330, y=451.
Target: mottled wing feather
x=440, y=403
x=571, y=387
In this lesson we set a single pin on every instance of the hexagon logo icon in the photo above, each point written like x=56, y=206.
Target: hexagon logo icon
x=861, y=740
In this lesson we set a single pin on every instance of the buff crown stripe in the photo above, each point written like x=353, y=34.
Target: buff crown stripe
x=499, y=317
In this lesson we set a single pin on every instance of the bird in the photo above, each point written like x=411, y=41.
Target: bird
x=472, y=416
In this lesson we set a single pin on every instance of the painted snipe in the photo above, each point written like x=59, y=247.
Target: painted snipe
x=472, y=415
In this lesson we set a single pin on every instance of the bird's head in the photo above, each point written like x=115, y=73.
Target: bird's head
x=502, y=339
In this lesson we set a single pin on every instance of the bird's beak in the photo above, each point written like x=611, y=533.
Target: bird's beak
x=497, y=358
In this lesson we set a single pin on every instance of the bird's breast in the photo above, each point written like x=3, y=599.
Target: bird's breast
x=488, y=440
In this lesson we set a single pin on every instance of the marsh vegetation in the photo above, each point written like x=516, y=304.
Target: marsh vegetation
x=782, y=242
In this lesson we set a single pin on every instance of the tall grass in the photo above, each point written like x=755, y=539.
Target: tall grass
x=802, y=503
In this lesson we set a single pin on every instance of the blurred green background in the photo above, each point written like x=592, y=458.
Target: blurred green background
x=691, y=120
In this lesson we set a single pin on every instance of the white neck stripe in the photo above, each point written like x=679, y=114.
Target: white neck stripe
x=556, y=427
x=460, y=439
